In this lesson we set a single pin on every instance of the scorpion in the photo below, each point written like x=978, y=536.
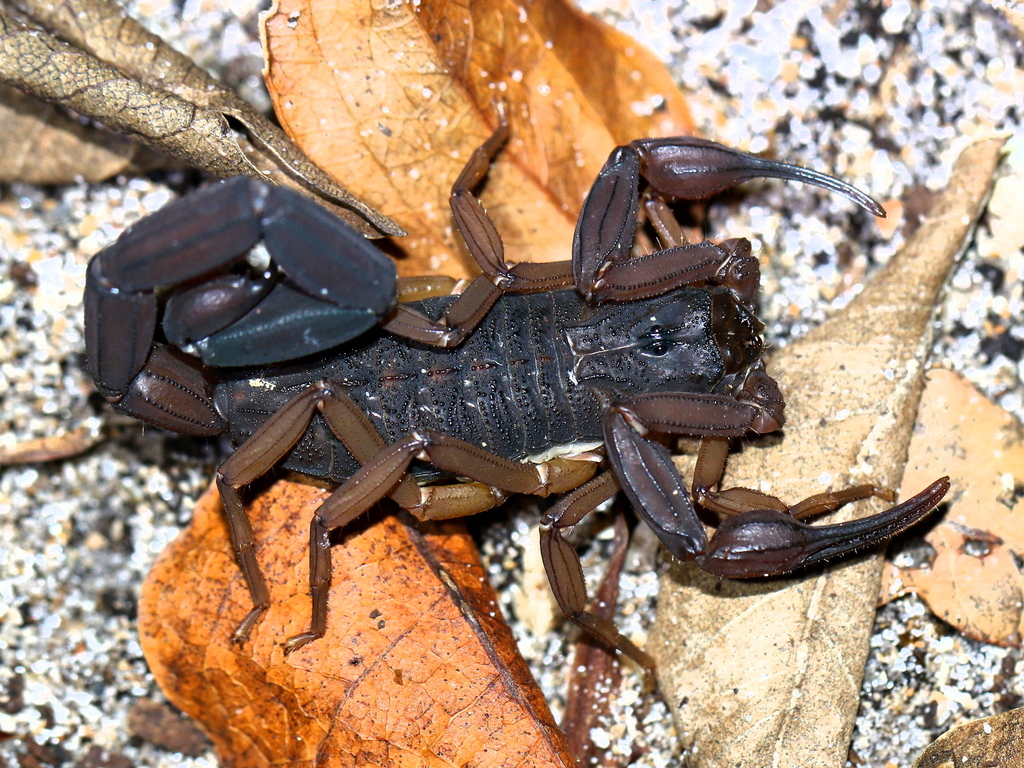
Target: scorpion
x=310, y=361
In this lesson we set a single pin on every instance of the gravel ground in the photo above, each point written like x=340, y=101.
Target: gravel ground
x=880, y=94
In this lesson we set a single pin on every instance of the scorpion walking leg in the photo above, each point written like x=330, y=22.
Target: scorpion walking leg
x=253, y=458
x=484, y=243
x=435, y=502
x=384, y=473
x=740, y=271
x=565, y=573
x=733, y=501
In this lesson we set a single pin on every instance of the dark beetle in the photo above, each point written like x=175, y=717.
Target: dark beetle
x=313, y=364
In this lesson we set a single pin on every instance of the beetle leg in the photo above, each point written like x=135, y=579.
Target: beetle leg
x=565, y=573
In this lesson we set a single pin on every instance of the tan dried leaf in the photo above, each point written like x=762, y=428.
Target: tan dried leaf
x=769, y=672
x=1012, y=13
x=42, y=145
x=52, y=448
x=992, y=742
x=119, y=74
x=974, y=580
x=395, y=97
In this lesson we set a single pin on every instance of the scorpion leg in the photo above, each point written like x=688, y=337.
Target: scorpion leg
x=484, y=243
x=664, y=221
x=682, y=168
x=253, y=458
x=384, y=473
x=741, y=272
x=565, y=573
x=733, y=501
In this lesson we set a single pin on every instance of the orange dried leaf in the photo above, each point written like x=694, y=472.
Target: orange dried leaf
x=393, y=98
x=417, y=668
x=974, y=580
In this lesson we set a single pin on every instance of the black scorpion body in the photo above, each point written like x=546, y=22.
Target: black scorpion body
x=502, y=386
x=526, y=384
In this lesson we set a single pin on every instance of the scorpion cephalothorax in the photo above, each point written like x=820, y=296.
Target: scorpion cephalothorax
x=313, y=363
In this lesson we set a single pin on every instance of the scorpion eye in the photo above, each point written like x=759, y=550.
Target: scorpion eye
x=657, y=348
x=655, y=344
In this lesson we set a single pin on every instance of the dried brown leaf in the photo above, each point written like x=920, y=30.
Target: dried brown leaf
x=768, y=672
x=974, y=579
x=40, y=144
x=992, y=742
x=1012, y=13
x=597, y=673
x=417, y=667
x=51, y=448
x=119, y=74
x=159, y=724
x=395, y=97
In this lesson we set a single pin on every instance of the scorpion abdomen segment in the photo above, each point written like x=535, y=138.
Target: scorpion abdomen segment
x=286, y=324
x=114, y=359
x=171, y=392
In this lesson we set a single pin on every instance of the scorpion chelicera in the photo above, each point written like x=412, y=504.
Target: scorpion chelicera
x=312, y=363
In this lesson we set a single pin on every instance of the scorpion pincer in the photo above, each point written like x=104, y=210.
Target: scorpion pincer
x=312, y=363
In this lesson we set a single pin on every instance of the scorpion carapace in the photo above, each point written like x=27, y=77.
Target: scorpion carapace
x=509, y=386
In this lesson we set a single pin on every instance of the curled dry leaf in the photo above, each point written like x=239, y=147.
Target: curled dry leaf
x=104, y=65
x=985, y=743
x=394, y=97
x=417, y=667
x=768, y=672
x=973, y=577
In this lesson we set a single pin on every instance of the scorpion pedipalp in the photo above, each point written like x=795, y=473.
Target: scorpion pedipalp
x=689, y=168
x=682, y=167
x=768, y=542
